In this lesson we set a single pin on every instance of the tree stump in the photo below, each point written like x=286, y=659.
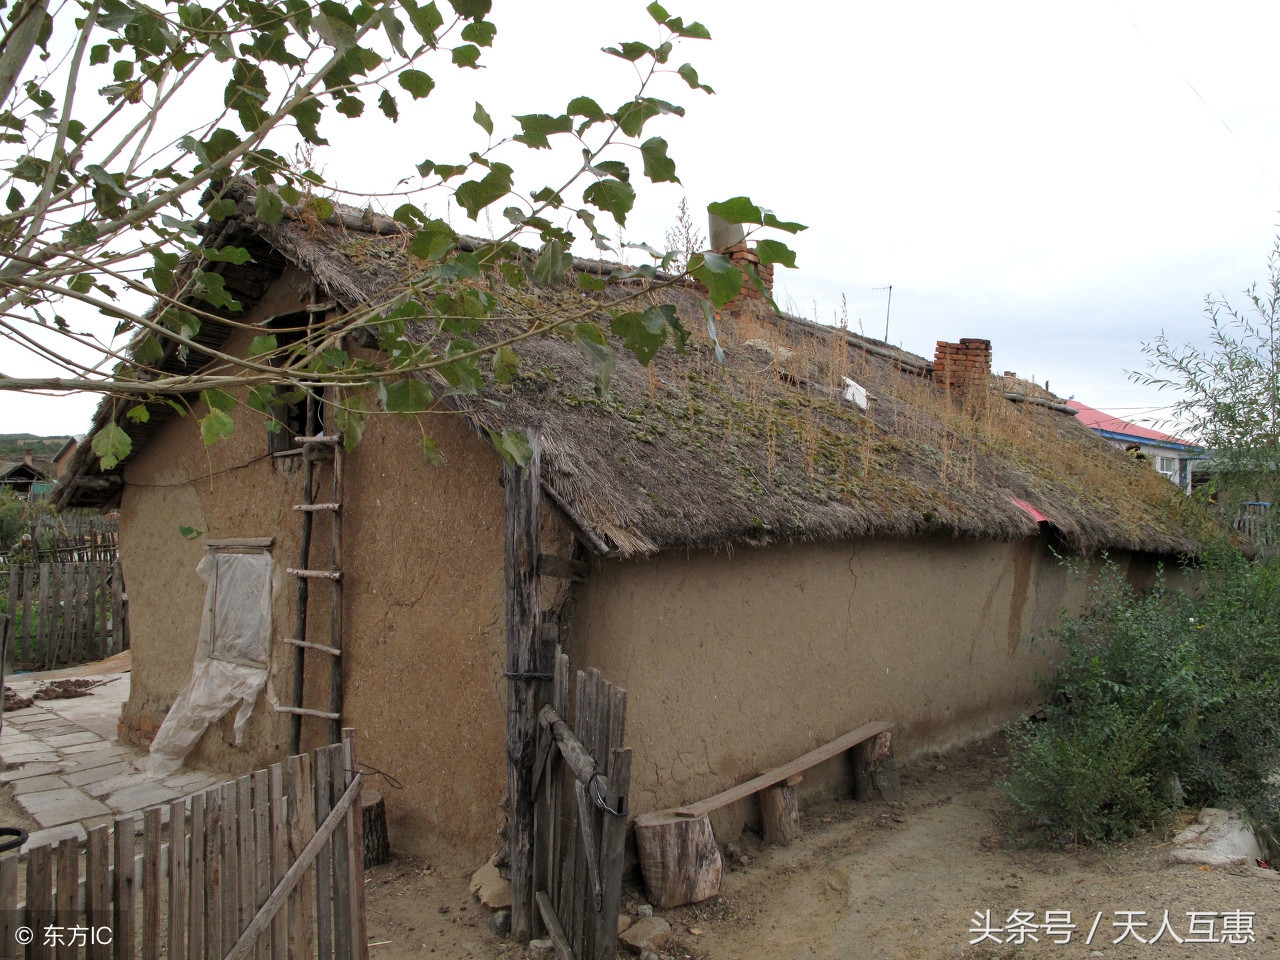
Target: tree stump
x=874, y=769
x=679, y=858
x=373, y=816
x=780, y=811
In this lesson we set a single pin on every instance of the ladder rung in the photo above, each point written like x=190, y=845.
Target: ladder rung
x=312, y=507
x=334, y=651
x=319, y=438
x=304, y=712
x=319, y=307
x=316, y=574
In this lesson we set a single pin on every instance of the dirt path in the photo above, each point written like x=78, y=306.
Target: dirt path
x=885, y=882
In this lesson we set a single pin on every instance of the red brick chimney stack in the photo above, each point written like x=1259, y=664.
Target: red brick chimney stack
x=962, y=366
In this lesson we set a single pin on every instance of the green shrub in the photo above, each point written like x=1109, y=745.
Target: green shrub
x=1158, y=689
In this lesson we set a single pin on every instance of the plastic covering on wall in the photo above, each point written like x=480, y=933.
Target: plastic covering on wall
x=232, y=655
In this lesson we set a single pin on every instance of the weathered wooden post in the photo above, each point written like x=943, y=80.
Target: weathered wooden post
x=524, y=613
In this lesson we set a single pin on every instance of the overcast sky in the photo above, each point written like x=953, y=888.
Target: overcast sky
x=1065, y=180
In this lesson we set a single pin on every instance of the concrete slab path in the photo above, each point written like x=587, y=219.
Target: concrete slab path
x=65, y=769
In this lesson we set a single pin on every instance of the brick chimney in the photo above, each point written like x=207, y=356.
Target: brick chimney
x=962, y=366
x=742, y=255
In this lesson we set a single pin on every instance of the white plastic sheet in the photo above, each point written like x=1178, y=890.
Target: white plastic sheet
x=231, y=658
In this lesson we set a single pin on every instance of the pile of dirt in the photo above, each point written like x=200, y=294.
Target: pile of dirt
x=14, y=700
x=66, y=689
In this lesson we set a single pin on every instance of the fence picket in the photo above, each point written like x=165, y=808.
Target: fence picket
x=279, y=861
x=246, y=862
x=122, y=927
x=213, y=866
x=42, y=626
x=66, y=897
x=97, y=888
x=151, y=828
x=341, y=860
x=197, y=888
x=261, y=856
x=8, y=896
x=39, y=900
x=324, y=862
x=28, y=589
x=230, y=869
x=302, y=826
x=178, y=919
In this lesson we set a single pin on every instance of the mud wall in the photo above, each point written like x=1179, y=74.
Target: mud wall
x=735, y=663
x=423, y=628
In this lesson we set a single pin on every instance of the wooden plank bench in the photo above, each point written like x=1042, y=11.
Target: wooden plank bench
x=678, y=853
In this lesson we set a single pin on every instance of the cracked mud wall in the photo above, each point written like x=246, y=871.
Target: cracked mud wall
x=735, y=663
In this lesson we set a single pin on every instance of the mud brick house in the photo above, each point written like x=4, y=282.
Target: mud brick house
x=765, y=553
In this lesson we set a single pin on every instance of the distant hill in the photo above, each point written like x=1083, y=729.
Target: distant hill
x=14, y=445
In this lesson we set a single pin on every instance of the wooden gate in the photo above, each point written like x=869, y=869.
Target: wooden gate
x=268, y=866
x=581, y=780
x=567, y=787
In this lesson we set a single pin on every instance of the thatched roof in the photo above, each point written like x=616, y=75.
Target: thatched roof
x=688, y=453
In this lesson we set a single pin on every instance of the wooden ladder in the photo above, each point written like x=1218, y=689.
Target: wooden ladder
x=312, y=447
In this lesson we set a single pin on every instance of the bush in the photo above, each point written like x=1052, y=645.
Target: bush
x=1157, y=690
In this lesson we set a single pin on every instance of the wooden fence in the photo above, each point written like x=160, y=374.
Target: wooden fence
x=269, y=866
x=61, y=614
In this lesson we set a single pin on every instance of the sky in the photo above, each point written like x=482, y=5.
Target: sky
x=1065, y=180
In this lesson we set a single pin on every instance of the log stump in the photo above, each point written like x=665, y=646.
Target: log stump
x=679, y=858
x=874, y=770
x=373, y=817
x=780, y=811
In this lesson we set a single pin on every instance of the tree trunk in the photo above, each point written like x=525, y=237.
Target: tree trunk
x=679, y=857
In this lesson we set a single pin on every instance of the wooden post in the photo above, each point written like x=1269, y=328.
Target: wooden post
x=679, y=858
x=97, y=889
x=524, y=612
x=780, y=811
x=178, y=919
x=124, y=881
x=874, y=769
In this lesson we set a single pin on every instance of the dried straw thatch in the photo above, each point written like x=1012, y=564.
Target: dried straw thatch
x=689, y=453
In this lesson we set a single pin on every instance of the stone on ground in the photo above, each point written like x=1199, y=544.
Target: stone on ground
x=1218, y=838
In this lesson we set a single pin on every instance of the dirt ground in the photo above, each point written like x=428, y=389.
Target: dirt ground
x=889, y=882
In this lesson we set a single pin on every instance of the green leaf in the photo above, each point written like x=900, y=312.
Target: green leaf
x=138, y=414
x=771, y=221
x=694, y=31
x=657, y=12
x=474, y=195
x=472, y=9
x=466, y=55
x=480, y=32
x=268, y=207
x=512, y=445
x=417, y=83
x=536, y=126
x=112, y=445
x=99, y=53
x=334, y=30
x=658, y=167
x=690, y=75
x=592, y=344
x=586, y=107
x=350, y=107
x=612, y=196
x=148, y=351
x=236, y=255
x=210, y=287
x=775, y=251
x=709, y=315
x=552, y=264
x=432, y=452
x=321, y=207
x=306, y=116
x=505, y=364
x=425, y=19
x=481, y=116
x=718, y=274
x=220, y=209
x=216, y=425
x=736, y=210
x=434, y=241
x=15, y=200
x=387, y=104
x=262, y=398
x=122, y=70
x=407, y=397
x=263, y=344
x=190, y=533
x=641, y=333
x=632, y=116
x=218, y=400
x=612, y=168
x=349, y=416
x=632, y=50
x=590, y=283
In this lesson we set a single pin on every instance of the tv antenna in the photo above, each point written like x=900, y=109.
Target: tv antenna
x=888, y=304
